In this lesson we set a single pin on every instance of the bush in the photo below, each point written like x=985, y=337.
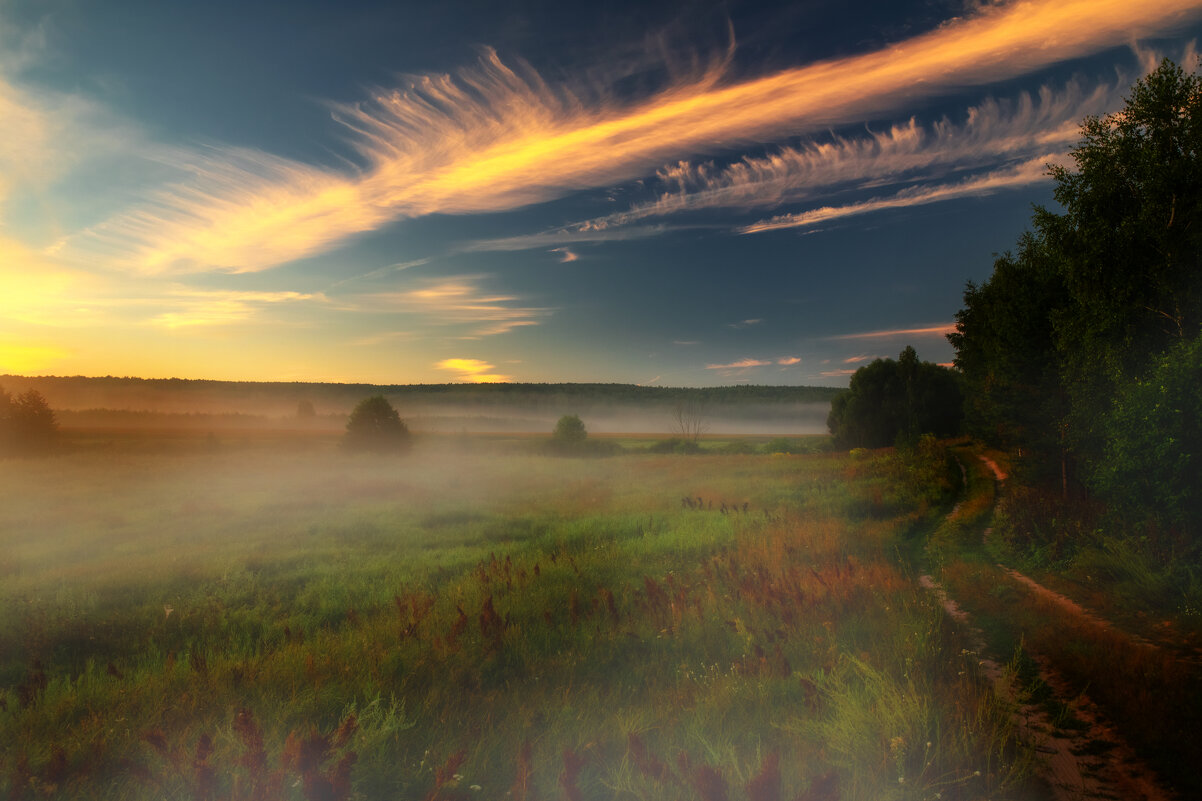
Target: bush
x=27, y=423
x=570, y=438
x=785, y=445
x=675, y=445
x=375, y=426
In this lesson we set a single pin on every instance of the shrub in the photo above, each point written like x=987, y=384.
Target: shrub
x=375, y=426
x=675, y=445
x=27, y=423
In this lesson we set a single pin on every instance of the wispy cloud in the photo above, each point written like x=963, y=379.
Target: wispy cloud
x=992, y=132
x=456, y=301
x=741, y=364
x=744, y=323
x=1030, y=172
x=789, y=361
x=473, y=371
x=196, y=307
x=566, y=255
x=934, y=331
x=498, y=136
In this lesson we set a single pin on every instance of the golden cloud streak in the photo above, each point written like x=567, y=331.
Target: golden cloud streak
x=1033, y=171
x=928, y=331
x=456, y=301
x=495, y=139
x=473, y=371
x=741, y=364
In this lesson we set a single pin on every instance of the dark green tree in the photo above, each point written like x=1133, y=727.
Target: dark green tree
x=1071, y=325
x=1007, y=356
x=375, y=425
x=890, y=402
x=1153, y=457
x=569, y=431
x=1128, y=245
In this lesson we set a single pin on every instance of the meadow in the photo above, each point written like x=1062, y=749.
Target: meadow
x=270, y=618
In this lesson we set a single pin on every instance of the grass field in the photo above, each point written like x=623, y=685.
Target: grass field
x=271, y=618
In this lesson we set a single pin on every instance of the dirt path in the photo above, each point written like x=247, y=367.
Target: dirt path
x=1090, y=761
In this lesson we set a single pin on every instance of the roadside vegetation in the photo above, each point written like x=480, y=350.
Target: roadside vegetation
x=1081, y=360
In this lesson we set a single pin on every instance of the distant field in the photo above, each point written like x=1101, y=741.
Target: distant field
x=266, y=617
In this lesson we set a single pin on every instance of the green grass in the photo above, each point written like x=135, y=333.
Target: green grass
x=299, y=623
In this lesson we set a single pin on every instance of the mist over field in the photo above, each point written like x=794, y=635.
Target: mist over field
x=127, y=403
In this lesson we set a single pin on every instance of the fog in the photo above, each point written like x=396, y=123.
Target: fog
x=747, y=420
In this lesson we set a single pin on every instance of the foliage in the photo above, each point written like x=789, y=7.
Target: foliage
x=375, y=425
x=1153, y=443
x=888, y=401
x=1005, y=351
x=675, y=445
x=570, y=438
x=27, y=423
x=1077, y=352
x=569, y=430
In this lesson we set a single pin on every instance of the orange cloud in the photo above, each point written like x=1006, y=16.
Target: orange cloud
x=741, y=364
x=899, y=333
x=498, y=138
x=455, y=301
x=993, y=131
x=789, y=361
x=473, y=371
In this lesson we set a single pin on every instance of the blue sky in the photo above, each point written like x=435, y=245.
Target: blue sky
x=692, y=193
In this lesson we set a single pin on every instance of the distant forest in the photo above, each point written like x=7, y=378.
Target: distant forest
x=124, y=401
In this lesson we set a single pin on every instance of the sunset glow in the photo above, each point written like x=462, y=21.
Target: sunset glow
x=536, y=202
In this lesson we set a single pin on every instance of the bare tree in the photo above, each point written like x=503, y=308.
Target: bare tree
x=689, y=418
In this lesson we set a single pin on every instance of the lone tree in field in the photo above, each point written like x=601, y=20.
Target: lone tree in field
x=375, y=426
x=27, y=423
x=689, y=419
x=569, y=431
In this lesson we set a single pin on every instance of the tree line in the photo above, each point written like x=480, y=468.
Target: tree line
x=1081, y=355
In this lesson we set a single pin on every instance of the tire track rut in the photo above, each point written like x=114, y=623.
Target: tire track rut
x=1089, y=761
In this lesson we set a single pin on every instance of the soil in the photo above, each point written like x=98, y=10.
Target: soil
x=1087, y=757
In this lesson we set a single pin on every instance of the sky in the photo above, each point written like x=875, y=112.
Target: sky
x=689, y=193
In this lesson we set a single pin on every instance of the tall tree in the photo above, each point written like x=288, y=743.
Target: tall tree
x=1128, y=243
x=891, y=401
x=1006, y=353
x=1068, y=336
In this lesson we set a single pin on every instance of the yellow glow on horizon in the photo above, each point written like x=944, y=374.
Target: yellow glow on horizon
x=21, y=358
x=473, y=371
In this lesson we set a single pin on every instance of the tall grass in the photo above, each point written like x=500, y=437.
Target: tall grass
x=252, y=625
